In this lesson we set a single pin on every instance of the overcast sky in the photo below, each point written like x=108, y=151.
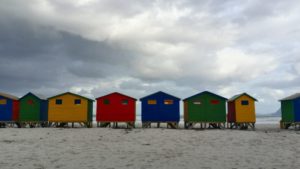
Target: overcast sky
x=94, y=47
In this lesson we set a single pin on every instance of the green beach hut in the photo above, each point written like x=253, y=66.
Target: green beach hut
x=290, y=111
x=33, y=109
x=205, y=108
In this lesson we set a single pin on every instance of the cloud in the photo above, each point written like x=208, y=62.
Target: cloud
x=138, y=47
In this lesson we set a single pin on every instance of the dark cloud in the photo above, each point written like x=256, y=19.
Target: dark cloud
x=34, y=56
x=138, y=47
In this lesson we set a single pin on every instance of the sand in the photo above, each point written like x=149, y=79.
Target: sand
x=267, y=147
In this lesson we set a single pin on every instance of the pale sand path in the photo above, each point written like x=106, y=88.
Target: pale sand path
x=267, y=147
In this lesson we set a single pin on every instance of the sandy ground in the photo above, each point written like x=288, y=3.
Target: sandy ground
x=267, y=147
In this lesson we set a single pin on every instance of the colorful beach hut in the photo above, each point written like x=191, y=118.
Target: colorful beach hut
x=9, y=108
x=290, y=111
x=159, y=108
x=205, y=108
x=115, y=108
x=241, y=111
x=33, y=109
x=70, y=108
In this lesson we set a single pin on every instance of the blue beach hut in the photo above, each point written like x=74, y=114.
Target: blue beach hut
x=9, y=108
x=159, y=108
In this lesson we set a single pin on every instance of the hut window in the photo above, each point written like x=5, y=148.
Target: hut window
x=245, y=102
x=124, y=102
x=30, y=102
x=58, y=101
x=214, y=101
x=197, y=102
x=77, y=101
x=151, y=101
x=105, y=101
x=168, y=102
x=2, y=101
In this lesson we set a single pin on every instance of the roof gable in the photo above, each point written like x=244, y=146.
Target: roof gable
x=205, y=92
x=240, y=95
x=66, y=93
x=160, y=93
x=9, y=96
x=116, y=93
x=291, y=97
x=39, y=97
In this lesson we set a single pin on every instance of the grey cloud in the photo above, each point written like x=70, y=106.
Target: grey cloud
x=140, y=47
x=34, y=56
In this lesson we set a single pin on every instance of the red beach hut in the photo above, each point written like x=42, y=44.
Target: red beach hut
x=115, y=107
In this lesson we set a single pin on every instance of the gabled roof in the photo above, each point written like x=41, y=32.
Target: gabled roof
x=205, y=92
x=38, y=96
x=9, y=96
x=70, y=94
x=239, y=95
x=292, y=97
x=117, y=94
x=158, y=93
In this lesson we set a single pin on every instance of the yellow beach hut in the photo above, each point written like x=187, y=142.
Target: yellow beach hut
x=70, y=108
x=241, y=111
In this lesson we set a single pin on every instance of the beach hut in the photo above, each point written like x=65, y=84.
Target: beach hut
x=9, y=109
x=290, y=111
x=115, y=108
x=241, y=111
x=70, y=108
x=159, y=108
x=33, y=110
x=205, y=108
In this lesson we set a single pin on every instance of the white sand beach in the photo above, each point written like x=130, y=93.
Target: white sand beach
x=43, y=148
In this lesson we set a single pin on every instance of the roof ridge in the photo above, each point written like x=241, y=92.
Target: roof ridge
x=9, y=96
x=291, y=97
x=203, y=93
x=239, y=95
x=116, y=93
x=159, y=92
x=71, y=94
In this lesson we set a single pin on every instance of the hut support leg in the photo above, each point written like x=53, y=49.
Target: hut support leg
x=187, y=125
x=172, y=125
x=146, y=125
x=105, y=124
x=130, y=125
x=252, y=126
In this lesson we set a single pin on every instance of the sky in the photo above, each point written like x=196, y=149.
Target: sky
x=138, y=47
